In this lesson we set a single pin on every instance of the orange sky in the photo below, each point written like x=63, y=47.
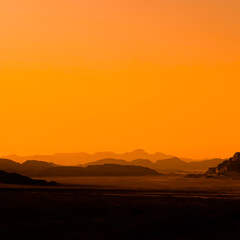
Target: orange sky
x=100, y=75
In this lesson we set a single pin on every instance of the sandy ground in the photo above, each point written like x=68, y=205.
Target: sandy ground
x=162, y=183
x=166, y=208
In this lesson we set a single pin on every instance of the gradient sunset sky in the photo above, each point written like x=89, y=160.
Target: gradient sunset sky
x=116, y=75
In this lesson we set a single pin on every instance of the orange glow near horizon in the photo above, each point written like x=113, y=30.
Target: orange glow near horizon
x=103, y=75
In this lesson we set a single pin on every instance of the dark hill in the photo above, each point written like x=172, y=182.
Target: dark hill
x=9, y=165
x=108, y=161
x=104, y=168
x=136, y=162
x=143, y=162
x=32, y=167
x=171, y=164
x=99, y=170
x=14, y=178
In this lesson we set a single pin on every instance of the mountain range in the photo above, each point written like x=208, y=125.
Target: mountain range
x=171, y=164
x=41, y=168
x=83, y=158
x=136, y=157
x=105, y=167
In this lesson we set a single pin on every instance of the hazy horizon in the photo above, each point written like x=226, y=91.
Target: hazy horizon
x=118, y=153
x=119, y=75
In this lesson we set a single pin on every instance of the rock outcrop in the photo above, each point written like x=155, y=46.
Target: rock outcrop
x=227, y=166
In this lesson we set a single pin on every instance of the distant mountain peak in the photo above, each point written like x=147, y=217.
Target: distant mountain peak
x=139, y=150
x=105, y=152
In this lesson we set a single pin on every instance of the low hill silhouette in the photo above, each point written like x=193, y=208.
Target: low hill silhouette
x=14, y=178
x=143, y=162
x=34, y=166
x=171, y=164
x=29, y=167
x=9, y=165
x=178, y=164
x=108, y=161
x=40, y=168
x=98, y=170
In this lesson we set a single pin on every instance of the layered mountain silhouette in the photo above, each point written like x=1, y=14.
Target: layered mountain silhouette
x=105, y=167
x=28, y=167
x=34, y=166
x=14, y=178
x=171, y=164
x=232, y=165
x=83, y=158
x=9, y=165
x=41, y=168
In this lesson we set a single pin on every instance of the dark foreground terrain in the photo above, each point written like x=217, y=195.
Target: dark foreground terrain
x=106, y=213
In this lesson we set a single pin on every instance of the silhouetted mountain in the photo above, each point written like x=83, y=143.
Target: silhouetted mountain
x=40, y=168
x=33, y=167
x=178, y=164
x=108, y=161
x=30, y=167
x=141, y=154
x=136, y=162
x=99, y=170
x=14, y=178
x=9, y=165
x=143, y=162
x=83, y=158
x=171, y=164
x=232, y=165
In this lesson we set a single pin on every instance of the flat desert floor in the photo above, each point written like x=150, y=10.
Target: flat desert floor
x=169, y=183
x=167, y=207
